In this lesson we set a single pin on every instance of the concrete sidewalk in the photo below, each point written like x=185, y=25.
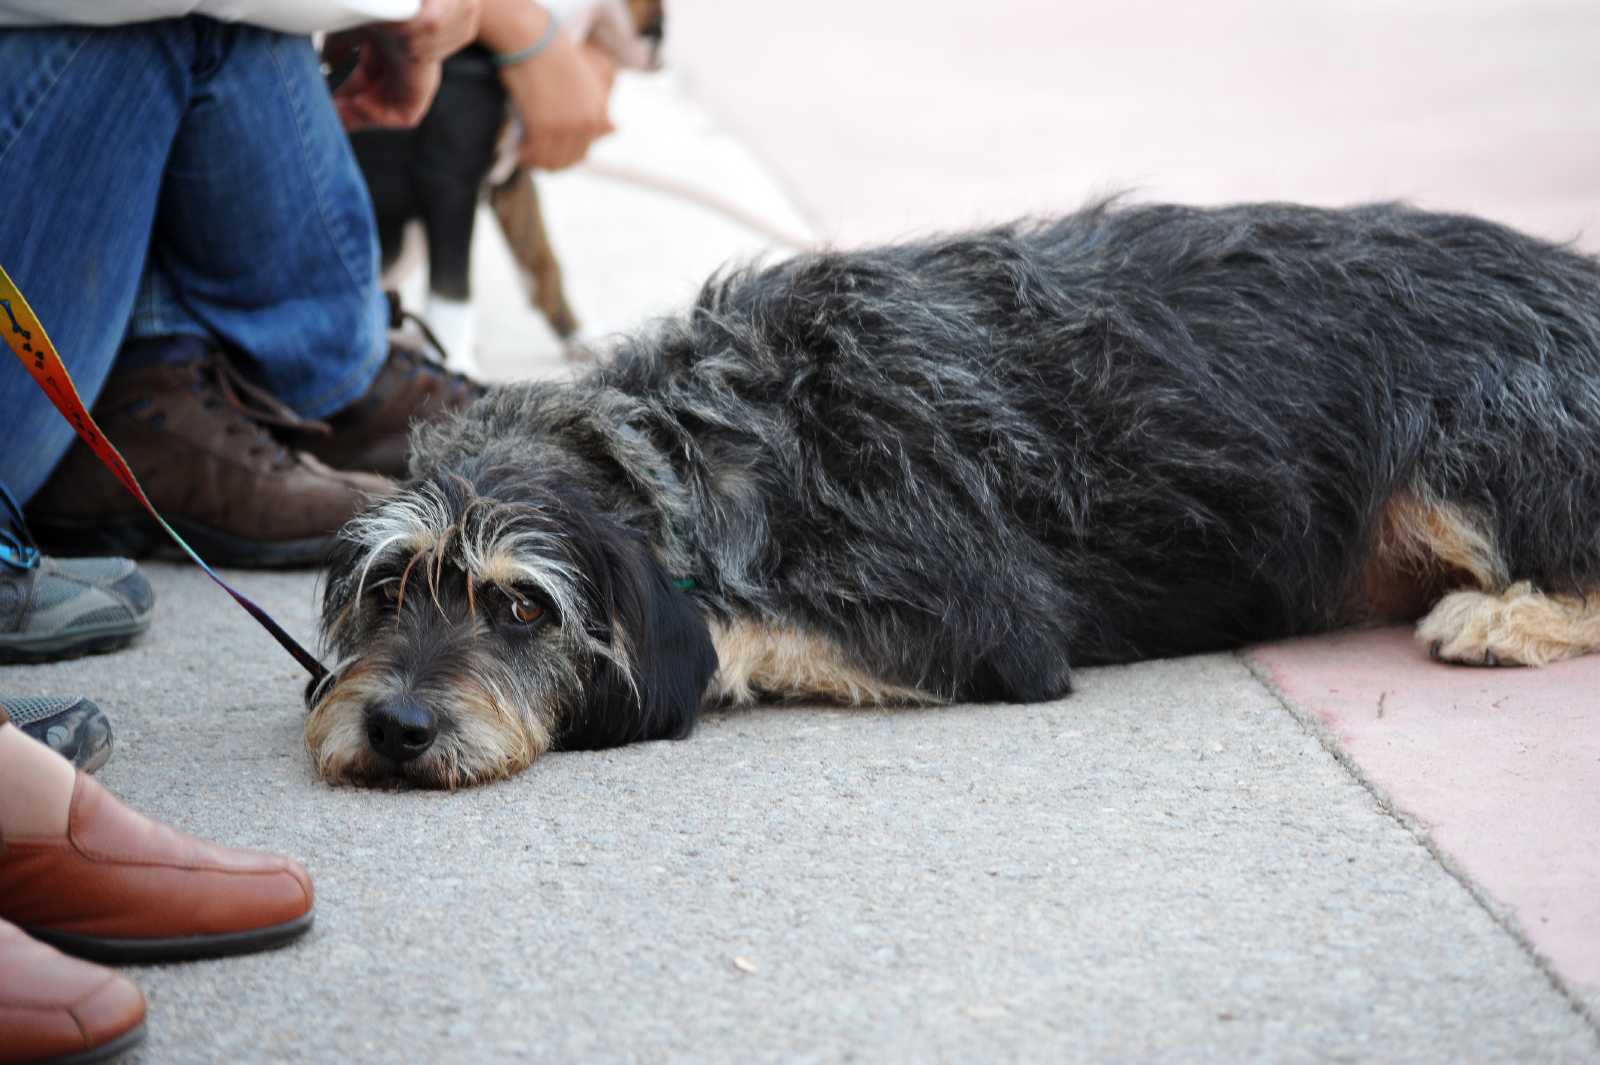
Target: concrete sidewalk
x=1221, y=859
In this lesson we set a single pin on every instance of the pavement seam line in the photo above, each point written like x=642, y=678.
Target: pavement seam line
x=1498, y=912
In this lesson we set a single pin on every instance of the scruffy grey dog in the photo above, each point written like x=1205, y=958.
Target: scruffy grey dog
x=954, y=469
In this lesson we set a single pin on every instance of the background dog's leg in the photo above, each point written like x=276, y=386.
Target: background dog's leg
x=516, y=205
x=1515, y=627
x=455, y=322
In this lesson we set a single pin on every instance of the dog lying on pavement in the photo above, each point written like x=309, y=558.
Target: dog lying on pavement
x=956, y=468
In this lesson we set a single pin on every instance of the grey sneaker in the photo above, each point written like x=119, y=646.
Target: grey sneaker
x=54, y=608
x=72, y=726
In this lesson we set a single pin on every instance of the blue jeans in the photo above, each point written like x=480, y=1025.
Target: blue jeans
x=185, y=177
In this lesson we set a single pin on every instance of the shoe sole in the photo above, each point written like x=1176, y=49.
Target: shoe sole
x=82, y=751
x=20, y=650
x=104, y=1052
x=139, y=537
x=108, y=951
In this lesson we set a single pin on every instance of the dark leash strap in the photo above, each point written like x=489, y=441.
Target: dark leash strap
x=31, y=345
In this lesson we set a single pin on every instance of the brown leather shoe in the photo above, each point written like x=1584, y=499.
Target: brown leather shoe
x=195, y=434
x=121, y=887
x=373, y=432
x=56, y=1010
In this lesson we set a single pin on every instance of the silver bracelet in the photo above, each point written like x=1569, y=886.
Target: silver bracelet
x=506, y=59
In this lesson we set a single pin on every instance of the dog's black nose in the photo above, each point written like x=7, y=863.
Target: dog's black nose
x=400, y=728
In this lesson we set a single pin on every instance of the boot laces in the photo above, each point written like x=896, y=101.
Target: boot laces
x=258, y=410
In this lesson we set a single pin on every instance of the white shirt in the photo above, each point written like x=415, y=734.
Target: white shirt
x=286, y=16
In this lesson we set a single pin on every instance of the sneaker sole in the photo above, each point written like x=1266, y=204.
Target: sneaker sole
x=109, y=951
x=56, y=647
x=85, y=739
x=141, y=538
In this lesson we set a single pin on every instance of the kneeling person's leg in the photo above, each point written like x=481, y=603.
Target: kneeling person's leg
x=87, y=117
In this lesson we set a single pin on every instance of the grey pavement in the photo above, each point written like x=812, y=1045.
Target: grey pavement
x=1166, y=866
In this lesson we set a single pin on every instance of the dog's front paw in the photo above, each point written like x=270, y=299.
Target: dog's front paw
x=1517, y=627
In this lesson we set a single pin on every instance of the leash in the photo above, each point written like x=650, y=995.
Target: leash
x=700, y=197
x=32, y=347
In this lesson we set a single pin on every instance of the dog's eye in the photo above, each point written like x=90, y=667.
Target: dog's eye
x=526, y=611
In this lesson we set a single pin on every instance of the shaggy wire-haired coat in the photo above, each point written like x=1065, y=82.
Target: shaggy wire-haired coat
x=954, y=469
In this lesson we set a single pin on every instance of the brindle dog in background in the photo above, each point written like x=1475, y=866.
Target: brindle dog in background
x=956, y=468
x=437, y=173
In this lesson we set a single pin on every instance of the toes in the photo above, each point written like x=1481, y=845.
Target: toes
x=1473, y=653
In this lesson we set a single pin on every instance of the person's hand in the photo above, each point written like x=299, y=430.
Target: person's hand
x=398, y=72
x=385, y=88
x=602, y=65
x=561, y=96
x=440, y=29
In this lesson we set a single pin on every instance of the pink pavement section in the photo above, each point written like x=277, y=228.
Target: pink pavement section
x=1501, y=768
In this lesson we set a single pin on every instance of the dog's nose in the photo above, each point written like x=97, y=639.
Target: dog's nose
x=400, y=728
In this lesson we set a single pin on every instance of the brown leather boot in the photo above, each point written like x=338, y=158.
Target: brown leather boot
x=196, y=435
x=56, y=1010
x=121, y=887
x=373, y=432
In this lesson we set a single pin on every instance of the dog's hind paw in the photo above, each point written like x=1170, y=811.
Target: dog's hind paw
x=1517, y=627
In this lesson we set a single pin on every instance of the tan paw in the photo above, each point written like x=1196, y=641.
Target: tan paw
x=1518, y=627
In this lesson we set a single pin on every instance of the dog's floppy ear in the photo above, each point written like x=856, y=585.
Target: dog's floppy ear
x=661, y=635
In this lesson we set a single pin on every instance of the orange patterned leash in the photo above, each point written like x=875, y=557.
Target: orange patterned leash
x=31, y=344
